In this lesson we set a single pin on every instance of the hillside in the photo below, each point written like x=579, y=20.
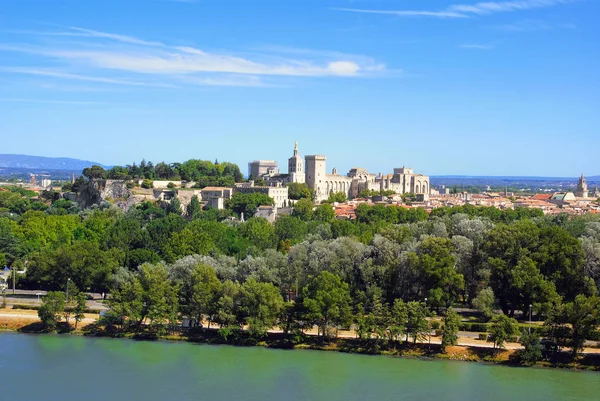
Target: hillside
x=13, y=161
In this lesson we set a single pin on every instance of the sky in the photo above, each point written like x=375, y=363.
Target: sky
x=443, y=86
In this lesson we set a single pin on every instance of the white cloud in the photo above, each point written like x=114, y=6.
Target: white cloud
x=467, y=10
x=132, y=57
x=78, y=77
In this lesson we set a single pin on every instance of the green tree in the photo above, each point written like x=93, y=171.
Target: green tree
x=259, y=232
x=502, y=329
x=327, y=302
x=205, y=291
x=94, y=172
x=399, y=319
x=53, y=305
x=298, y=191
x=324, y=213
x=438, y=276
x=292, y=229
x=416, y=323
x=193, y=208
x=303, y=209
x=248, y=203
x=451, y=326
x=260, y=306
x=485, y=302
x=339, y=197
x=79, y=308
x=578, y=319
x=532, y=348
x=228, y=304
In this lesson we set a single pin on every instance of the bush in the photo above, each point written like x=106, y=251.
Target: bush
x=483, y=336
x=532, y=351
x=171, y=185
x=148, y=184
x=435, y=325
x=474, y=327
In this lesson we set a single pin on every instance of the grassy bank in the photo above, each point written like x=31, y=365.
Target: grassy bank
x=238, y=337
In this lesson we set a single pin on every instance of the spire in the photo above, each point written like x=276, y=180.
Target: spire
x=296, y=148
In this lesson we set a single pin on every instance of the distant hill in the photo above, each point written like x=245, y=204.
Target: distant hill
x=44, y=163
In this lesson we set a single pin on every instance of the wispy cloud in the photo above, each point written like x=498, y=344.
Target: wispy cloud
x=477, y=46
x=467, y=10
x=134, y=57
x=78, y=77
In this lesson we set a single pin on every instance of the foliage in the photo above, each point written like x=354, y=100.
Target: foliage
x=248, y=203
x=339, y=197
x=327, y=302
x=532, y=348
x=298, y=191
x=53, y=305
x=451, y=327
x=502, y=328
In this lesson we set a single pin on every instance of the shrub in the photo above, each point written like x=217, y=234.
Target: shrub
x=483, y=336
x=148, y=184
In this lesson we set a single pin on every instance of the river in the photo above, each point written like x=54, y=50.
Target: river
x=64, y=368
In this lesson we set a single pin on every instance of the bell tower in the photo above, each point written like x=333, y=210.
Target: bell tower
x=296, y=167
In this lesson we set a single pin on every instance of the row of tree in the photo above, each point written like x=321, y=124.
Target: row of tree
x=204, y=172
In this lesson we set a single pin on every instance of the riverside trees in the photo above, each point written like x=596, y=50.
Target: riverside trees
x=481, y=257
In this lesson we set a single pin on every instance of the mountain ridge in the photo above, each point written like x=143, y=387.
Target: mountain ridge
x=18, y=161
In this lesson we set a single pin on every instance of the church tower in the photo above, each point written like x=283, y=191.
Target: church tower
x=296, y=167
x=582, y=188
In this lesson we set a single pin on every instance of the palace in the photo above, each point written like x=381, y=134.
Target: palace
x=313, y=171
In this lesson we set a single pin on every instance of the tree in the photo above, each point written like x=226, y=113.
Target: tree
x=398, y=321
x=298, y=191
x=227, y=304
x=578, y=319
x=79, y=308
x=147, y=295
x=259, y=232
x=260, y=306
x=451, y=326
x=248, y=203
x=303, y=209
x=324, y=213
x=205, y=291
x=502, y=329
x=416, y=323
x=193, y=208
x=485, y=302
x=94, y=172
x=53, y=305
x=532, y=348
x=339, y=197
x=436, y=266
x=292, y=229
x=327, y=302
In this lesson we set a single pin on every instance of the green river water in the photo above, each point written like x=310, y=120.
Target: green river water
x=54, y=367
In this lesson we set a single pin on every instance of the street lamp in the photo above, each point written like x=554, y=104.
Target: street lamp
x=530, y=306
x=428, y=327
x=69, y=279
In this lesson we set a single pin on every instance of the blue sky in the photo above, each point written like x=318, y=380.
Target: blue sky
x=444, y=86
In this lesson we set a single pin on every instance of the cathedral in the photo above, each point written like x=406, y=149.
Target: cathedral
x=313, y=171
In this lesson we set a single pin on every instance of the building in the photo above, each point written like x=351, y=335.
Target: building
x=402, y=181
x=216, y=196
x=278, y=193
x=296, y=167
x=262, y=169
x=582, y=188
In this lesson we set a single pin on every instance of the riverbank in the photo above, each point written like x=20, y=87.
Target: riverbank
x=27, y=322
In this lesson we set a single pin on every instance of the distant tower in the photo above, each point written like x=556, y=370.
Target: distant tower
x=73, y=178
x=582, y=188
x=296, y=167
x=316, y=175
